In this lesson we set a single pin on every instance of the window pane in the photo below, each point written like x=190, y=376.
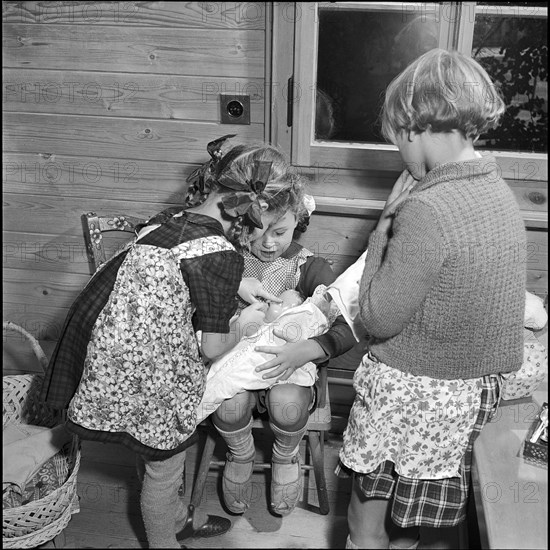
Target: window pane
x=359, y=53
x=513, y=49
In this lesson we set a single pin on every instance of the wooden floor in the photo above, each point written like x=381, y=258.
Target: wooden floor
x=109, y=514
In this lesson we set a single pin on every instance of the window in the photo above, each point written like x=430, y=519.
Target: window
x=346, y=53
x=511, y=43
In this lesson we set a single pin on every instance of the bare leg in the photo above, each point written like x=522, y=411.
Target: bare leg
x=404, y=538
x=367, y=521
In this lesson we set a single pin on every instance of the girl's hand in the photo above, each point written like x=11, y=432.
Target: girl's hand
x=251, y=319
x=401, y=189
x=251, y=289
x=289, y=357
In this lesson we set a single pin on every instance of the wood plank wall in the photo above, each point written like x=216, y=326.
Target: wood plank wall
x=107, y=107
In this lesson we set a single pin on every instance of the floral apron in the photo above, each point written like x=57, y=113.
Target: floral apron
x=143, y=372
x=421, y=424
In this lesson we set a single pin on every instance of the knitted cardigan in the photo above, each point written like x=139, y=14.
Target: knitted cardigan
x=444, y=295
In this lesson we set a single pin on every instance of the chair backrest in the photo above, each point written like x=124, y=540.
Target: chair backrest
x=94, y=226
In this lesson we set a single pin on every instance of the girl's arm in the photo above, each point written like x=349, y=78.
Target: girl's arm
x=401, y=270
x=213, y=281
x=215, y=344
x=339, y=337
x=296, y=353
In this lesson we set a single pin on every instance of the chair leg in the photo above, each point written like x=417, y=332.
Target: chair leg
x=204, y=467
x=317, y=456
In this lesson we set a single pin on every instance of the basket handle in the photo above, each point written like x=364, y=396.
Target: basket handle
x=38, y=351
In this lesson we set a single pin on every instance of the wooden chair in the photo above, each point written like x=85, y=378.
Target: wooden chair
x=319, y=422
x=95, y=226
x=318, y=426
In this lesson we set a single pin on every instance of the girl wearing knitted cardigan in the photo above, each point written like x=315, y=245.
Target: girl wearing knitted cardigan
x=442, y=298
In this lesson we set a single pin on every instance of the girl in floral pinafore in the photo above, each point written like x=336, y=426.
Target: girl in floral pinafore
x=444, y=314
x=129, y=365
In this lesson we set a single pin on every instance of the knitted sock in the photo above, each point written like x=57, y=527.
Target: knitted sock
x=285, y=446
x=160, y=501
x=241, y=445
x=181, y=508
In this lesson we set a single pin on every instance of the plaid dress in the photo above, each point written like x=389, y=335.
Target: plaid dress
x=410, y=440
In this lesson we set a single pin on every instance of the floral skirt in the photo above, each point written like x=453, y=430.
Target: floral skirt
x=398, y=452
x=420, y=424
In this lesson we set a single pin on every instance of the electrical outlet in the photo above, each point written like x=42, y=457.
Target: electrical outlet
x=234, y=109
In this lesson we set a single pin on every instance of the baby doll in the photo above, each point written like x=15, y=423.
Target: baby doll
x=290, y=298
x=296, y=319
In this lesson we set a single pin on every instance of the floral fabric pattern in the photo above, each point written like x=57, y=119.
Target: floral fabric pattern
x=143, y=372
x=421, y=424
x=527, y=379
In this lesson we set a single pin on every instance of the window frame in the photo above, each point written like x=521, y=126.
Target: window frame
x=300, y=29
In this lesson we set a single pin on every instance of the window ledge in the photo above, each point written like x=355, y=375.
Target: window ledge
x=372, y=209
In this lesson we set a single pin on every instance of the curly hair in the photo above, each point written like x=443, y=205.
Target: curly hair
x=284, y=190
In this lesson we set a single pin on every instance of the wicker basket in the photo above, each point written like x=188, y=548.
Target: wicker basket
x=535, y=453
x=41, y=520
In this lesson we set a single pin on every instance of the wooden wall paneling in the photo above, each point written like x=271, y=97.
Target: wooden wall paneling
x=110, y=137
x=49, y=214
x=46, y=253
x=131, y=95
x=537, y=282
x=224, y=53
x=268, y=69
x=333, y=237
x=530, y=194
x=335, y=180
x=51, y=289
x=92, y=177
x=108, y=106
x=537, y=250
x=199, y=15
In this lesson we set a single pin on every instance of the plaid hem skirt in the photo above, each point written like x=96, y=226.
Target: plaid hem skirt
x=428, y=503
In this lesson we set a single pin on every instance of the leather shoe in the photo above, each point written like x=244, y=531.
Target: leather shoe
x=285, y=496
x=214, y=526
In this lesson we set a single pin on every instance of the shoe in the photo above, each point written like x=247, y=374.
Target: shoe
x=236, y=495
x=214, y=526
x=285, y=496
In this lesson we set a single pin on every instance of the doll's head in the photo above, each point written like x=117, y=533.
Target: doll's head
x=254, y=182
x=290, y=298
